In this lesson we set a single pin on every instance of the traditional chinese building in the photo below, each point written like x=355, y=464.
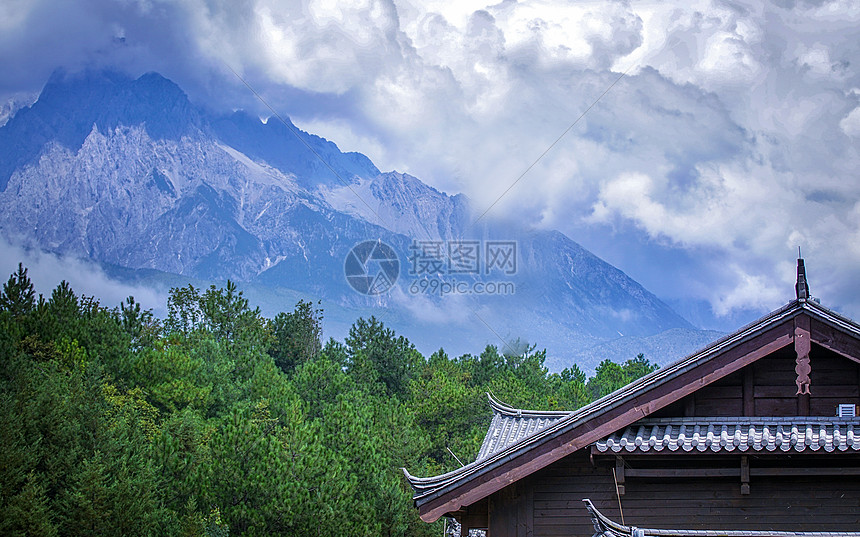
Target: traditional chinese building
x=754, y=432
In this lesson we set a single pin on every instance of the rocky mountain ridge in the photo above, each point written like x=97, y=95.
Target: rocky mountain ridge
x=129, y=173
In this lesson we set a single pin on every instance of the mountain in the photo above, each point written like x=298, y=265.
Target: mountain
x=131, y=174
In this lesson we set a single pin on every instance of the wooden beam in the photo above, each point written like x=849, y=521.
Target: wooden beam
x=472, y=521
x=729, y=362
x=835, y=340
x=470, y=524
x=794, y=471
x=525, y=510
x=767, y=392
x=743, y=472
x=683, y=472
x=503, y=512
x=803, y=349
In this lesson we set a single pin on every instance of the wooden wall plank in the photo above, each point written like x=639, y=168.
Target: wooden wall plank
x=523, y=529
x=779, y=502
x=718, y=408
x=720, y=392
x=766, y=392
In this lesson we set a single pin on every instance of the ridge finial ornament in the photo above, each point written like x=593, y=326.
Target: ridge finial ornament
x=801, y=287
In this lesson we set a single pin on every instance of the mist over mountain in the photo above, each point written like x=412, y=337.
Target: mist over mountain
x=131, y=174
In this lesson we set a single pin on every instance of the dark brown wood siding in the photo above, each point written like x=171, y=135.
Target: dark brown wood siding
x=767, y=388
x=774, y=385
x=775, y=503
x=835, y=380
x=788, y=503
x=557, y=493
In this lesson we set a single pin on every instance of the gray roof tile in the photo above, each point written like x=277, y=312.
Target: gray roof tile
x=796, y=434
x=510, y=425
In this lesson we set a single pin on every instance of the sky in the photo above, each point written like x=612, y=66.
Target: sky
x=695, y=145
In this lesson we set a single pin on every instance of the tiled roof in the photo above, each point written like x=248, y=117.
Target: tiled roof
x=796, y=434
x=510, y=425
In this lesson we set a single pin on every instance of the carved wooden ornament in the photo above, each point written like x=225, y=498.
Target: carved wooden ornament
x=802, y=345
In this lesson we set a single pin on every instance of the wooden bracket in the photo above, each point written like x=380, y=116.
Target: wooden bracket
x=745, y=475
x=619, y=475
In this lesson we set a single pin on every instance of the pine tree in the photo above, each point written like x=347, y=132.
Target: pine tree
x=18, y=296
x=28, y=513
x=392, y=358
x=296, y=336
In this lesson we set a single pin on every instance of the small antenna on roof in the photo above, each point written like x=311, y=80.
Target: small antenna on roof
x=456, y=457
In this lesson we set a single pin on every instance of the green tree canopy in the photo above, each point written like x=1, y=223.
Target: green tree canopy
x=217, y=421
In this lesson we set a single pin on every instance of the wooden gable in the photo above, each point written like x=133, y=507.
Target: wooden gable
x=768, y=387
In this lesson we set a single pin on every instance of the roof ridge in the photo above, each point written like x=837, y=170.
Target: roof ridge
x=509, y=411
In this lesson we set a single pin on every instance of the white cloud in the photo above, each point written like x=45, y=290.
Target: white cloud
x=815, y=58
x=836, y=11
x=13, y=14
x=850, y=124
x=728, y=59
x=588, y=34
x=448, y=310
x=749, y=292
x=47, y=270
x=711, y=211
x=735, y=129
x=325, y=47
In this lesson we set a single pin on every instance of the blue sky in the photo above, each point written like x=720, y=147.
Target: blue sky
x=732, y=138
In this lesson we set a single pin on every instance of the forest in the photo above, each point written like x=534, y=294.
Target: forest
x=219, y=421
